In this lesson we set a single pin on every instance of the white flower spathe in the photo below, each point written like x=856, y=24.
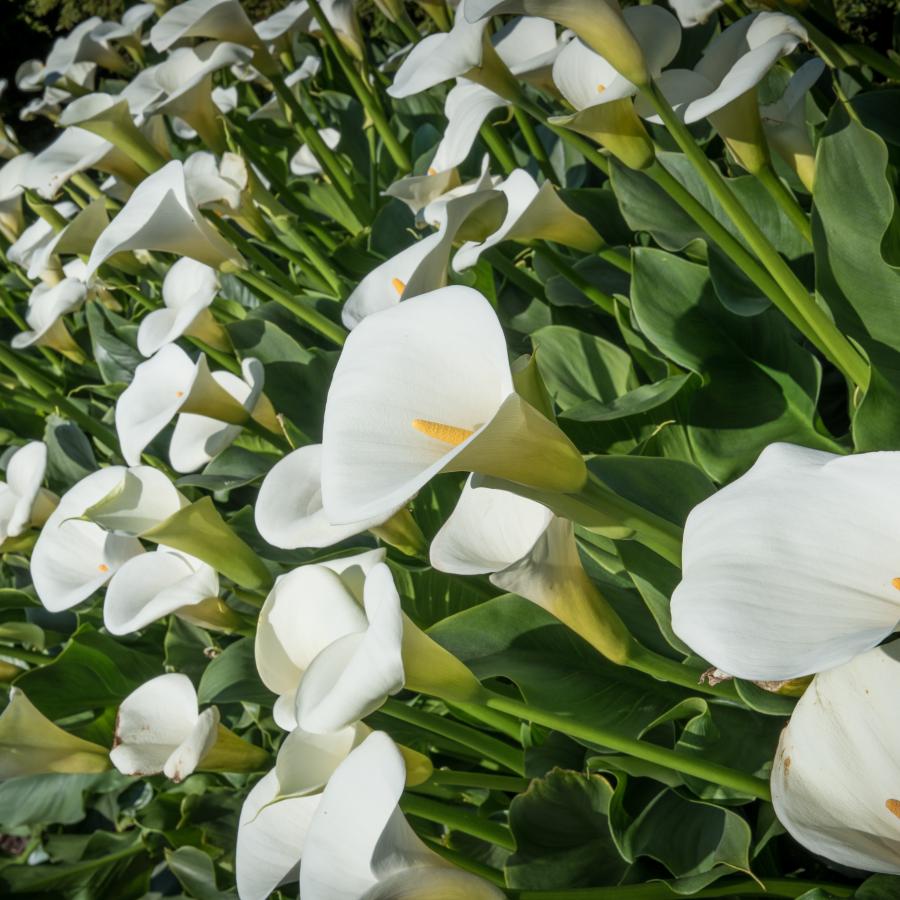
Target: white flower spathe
x=791, y=569
x=304, y=161
x=23, y=502
x=836, y=773
x=160, y=728
x=359, y=844
x=223, y=20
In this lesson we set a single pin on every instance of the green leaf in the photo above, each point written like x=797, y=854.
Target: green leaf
x=52, y=797
x=562, y=834
x=196, y=873
x=232, y=677
x=69, y=454
x=633, y=403
x=234, y=468
x=113, y=343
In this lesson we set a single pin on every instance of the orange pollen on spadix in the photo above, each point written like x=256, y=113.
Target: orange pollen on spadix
x=601, y=88
x=103, y=567
x=179, y=393
x=432, y=170
x=895, y=582
x=449, y=434
x=398, y=285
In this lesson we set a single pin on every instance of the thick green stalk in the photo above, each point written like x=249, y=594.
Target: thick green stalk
x=448, y=778
x=497, y=147
x=659, y=890
x=490, y=747
x=694, y=766
x=458, y=819
x=592, y=292
x=361, y=89
x=820, y=327
x=519, y=277
x=535, y=147
x=302, y=311
x=779, y=192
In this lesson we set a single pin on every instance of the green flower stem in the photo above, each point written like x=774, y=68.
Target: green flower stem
x=404, y=23
x=361, y=89
x=243, y=244
x=458, y=819
x=746, y=887
x=779, y=192
x=499, y=751
x=449, y=778
x=83, y=183
x=592, y=292
x=306, y=313
x=507, y=725
x=319, y=262
x=694, y=766
x=519, y=277
x=535, y=147
x=820, y=328
x=312, y=278
x=36, y=659
x=327, y=158
x=497, y=147
x=462, y=861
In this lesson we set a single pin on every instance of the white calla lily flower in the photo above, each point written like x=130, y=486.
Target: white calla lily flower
x=532, y=213
x=162, y=215
x=75, y=556
x=791, y=569
x=307, y=610
x=23, y=502
x=298, y=16
x=422, y=266
x=304, y=162
x=272, y=108
x=131, y=25
x=169, y=384
x=152, y=585
x=225, y=101
x=442, y=400
x=33, y=241
x=223, y=20
x=836, y=774
x=86, y=42
x=694, y=12
x=78, y=237
x=12, y=181
x=288, y=511
x=784, y=123
x=187, y=291
x=365, y=848
x=47, y=304
x=214, y=184
x=160, y=728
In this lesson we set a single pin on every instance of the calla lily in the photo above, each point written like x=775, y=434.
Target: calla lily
x=78, y=237
x=162, y=215
x=161, y=729
x=533, y=213
x=463, y=52
x=187, y=290
x=216, y=185
x=169, y=384
x=186, y=79
x=225, y=101
x=150, y=586
x=422, y=266
x=790, y=570
x=722, y=85
x=84, y=43
x=33, y=242
x=75, y=556
x=272, y=108
x=528, y=551
x=129, y=28
x=12, y=180
x=599, y=23
x=23, y=502
x=47, y=304
x=694, y=12
x=784, y=123
x=834, y=782
x=288, y=511
x=223, y=20
x=442, y=400
x=357, y=849
x=304, y=162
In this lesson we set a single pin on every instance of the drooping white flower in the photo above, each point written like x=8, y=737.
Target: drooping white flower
x=23, y=502
x=160, y=728
x=187, y=291
x=442, y=400
x=288, y=511
x=47, y=304
x=170, y=384
x=74, y=556
x=86, y=42
x=129, y=28
x=223, y=20
x=532, y=213
x=304, y=162
x=150, y=586
x=836, y=774
x=359, y=844
x=422, y=266
x=791, y=569
x=162, y=215
x=694, y=12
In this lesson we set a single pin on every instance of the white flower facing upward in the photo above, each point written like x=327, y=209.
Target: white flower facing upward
x=211, y=407
x=792, y=568
x=93, y=531
x=441, y=400
x=359, y=844
x=160, y=728
x=162, y=215
x=187, y=291
x=288, y=511
x=24, y=503
x=836, y=773
x=223, y=20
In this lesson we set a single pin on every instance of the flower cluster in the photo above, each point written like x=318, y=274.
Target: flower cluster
x=478, y=420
